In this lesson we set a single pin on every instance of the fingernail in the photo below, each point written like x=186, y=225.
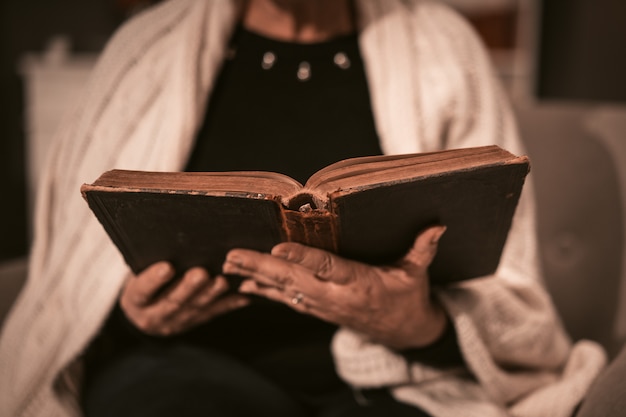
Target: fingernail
x=229, y=267
x=438, y=234
x=234, y=259
x=247, y=287
x=280, y=253
x=196, y=276
x=163, y=269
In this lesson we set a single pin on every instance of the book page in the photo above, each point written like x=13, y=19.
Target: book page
x=261, y=183
x=369, y=171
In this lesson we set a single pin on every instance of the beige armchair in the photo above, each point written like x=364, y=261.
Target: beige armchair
x=578, y=157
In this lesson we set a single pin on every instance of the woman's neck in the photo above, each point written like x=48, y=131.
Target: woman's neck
x=302, y=21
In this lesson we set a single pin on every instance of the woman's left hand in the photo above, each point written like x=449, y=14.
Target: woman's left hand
x=391, y=304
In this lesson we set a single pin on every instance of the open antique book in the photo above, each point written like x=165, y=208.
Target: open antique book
x=369, y=209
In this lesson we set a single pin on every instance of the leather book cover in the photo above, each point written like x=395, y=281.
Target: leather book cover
x=185, y=229
x=477, y=206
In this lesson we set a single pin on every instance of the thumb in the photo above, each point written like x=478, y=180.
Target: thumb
x=424, y=248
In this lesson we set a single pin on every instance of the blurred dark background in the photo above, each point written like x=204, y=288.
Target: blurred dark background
x=582, y=52
x=26, y=26
x=579, y=56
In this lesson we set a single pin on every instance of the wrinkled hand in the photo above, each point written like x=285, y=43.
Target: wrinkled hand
x=392, y=305
x=195, y=299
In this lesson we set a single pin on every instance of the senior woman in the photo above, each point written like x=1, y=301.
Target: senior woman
x=289, y=86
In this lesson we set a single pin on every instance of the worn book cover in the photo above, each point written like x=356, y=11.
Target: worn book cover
x=368, y=209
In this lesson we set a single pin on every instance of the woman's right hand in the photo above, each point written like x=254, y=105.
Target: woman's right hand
x=196, y=298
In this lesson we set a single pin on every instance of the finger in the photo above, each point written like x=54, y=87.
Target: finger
x=294, y=299
x=222, y=306
x=190, y=284
x=297, y=301
x=141, y=289
x=167, y=317
x=271, y=271
x=325, y=265
x=169, y=308
x=424, y=248
x=263, y=268
x=189, y=317
x=210, y=292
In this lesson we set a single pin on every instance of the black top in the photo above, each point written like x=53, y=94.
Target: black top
x=269, y=119
x=293, y=109
x=289, y=108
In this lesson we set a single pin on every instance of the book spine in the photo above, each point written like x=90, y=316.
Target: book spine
x=312, y=228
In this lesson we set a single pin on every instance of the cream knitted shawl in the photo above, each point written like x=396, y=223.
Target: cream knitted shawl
x=431, y=87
